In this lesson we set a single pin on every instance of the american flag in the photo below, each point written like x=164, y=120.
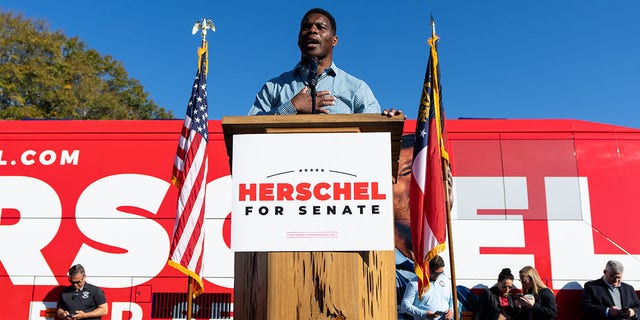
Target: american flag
x=431, y=180
x=189, y=175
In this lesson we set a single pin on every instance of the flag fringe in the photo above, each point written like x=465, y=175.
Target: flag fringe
x=199, y=287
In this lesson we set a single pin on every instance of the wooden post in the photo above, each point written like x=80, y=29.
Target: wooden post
x=189, y=298
x=315, y=285
x=452, y=265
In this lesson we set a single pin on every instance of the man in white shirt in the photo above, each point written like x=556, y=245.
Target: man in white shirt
x=437, y=302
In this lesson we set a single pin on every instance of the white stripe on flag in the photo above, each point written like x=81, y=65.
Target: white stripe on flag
x=419, y=169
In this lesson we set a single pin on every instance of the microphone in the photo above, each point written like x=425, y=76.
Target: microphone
x=312, y=79
x=313, y=72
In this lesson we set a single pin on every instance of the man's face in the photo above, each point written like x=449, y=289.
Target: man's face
x=402, y=185
x=77, y=280
x=612, y=278
x=316, y=37
x=401, y=212
x=434, y=274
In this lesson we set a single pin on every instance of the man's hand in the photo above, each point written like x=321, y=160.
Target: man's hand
x=614, y=312
x=393, y=112
x=449, y=314
x=63, y=314
x=621, y=313
x=302, y=101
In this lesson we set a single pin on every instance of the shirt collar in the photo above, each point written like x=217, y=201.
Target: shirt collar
x=301, y=69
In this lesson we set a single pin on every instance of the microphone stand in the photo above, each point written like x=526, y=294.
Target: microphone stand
x=313, y=81
x=313, y=98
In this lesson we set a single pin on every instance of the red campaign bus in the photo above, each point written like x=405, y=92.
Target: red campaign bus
x=560, y=195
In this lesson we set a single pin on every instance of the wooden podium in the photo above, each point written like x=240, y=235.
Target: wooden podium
x=315, y=285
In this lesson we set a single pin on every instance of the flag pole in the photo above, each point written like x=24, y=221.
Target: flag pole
x=452, y=264
x=447, y=176
x=189, y=298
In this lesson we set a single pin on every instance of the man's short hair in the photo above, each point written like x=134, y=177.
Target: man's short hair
x=436, y=263
x=324, y=13
x=407, y=141
x=76, y=269
x=614, y=266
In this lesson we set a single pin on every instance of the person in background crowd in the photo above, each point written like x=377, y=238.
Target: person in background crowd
x=404, y=275
x=81, y=300
x=496, y=303
x=536, y=302
x=609, y=297
x=437, y=302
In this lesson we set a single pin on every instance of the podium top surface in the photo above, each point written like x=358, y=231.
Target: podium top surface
x=258, y=124
x=299, y=123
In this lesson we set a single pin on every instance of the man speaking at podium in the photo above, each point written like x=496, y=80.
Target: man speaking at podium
x=316, y=75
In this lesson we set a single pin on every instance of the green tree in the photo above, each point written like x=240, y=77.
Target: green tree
x=45, y=75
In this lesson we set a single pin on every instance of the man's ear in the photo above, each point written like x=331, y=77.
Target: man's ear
x=335, y=41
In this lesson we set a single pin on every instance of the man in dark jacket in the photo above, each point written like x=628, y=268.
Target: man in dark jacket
x=609, y=297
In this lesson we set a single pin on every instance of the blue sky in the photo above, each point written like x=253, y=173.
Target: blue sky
x=542, y=59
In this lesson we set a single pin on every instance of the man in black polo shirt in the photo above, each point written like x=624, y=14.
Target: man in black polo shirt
x=81, y=300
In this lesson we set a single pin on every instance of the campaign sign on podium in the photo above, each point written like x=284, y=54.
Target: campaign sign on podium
x=312, y=192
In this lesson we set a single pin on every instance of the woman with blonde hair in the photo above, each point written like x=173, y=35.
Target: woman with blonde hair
x=537, y=301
